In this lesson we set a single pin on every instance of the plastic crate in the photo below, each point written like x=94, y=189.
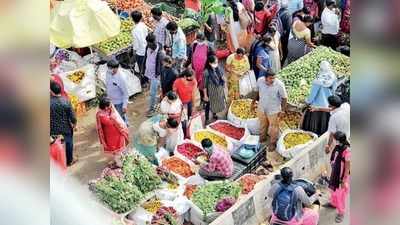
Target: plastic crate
x=238, y=170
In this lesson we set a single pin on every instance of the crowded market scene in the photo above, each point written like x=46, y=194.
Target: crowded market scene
x=196, y=112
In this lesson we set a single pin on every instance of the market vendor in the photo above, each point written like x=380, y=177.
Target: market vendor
x=323, y=86
x=220, y=164
x=169, y=134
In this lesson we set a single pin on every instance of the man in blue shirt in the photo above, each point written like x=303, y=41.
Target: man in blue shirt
x=263, y=60
x=116, y=89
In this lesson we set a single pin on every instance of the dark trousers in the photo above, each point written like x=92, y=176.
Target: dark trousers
x=69, y=147
x=140, y=61
x=329, y=40
x=185, y=121
x=284, y=43
x=119, y=108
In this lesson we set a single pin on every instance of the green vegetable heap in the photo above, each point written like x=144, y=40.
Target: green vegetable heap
x=121, y=41
x=207, y=196
x=119, y=195
x=140, y=172
x=299, y=75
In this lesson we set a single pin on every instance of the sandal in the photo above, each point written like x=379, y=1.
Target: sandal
x=339, y=218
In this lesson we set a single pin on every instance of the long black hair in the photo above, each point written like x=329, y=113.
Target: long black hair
x=235, y=10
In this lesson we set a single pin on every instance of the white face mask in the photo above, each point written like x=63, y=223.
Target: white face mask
x=214, y=65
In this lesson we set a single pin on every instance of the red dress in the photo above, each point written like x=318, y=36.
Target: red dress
x=263, y=18
x=112, y=131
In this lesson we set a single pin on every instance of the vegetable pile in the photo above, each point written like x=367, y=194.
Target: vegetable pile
x=242, y=109
x=207, y=196
x=76, y=76
x=224, y=204
x=140, y=172
x=299, y=75
x=229, y=130
x=165, y=216
x=178, y=166
x=119, y=195
x=152, y=205
x=216, y=139
x=293, y=139
x=166, y=175
x=248, y=181
x=290, y=120
x=189, y=150
x=189, y=189
x=119, y=42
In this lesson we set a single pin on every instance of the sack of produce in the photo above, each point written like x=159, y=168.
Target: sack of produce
x=291, y=120
x=217, y=139
x=179, y=167
x=81, y=82
x=132, y=81
x=292, y=142
x=188, y=150
x=247, y=83
x=236, y=134
x=206, y=197
x=241, y=114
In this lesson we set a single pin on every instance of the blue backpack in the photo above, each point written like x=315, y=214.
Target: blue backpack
x=284, y=202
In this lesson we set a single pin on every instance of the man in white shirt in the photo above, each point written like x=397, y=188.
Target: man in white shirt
x=330, y=20
x=169, y=133
x=339, y=120
x=139, y=34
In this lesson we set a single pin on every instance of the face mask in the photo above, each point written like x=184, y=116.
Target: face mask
x=214, y=65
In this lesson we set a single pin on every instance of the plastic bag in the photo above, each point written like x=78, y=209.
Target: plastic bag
x=292, y=152
x=86, y=88
x=132, y=81
x=161, y=154
x=247, y=83
x=196, y=123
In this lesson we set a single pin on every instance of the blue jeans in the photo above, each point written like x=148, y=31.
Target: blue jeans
x=119, y=109
x=69, y=147
x=154, y=84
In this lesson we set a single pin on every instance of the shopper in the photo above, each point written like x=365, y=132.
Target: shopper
x=152, y=69
x=62, y=120
x=339, y=183
x=160, y=25
x=200, y=50
x=172, y=106
x=112, y=130
x=185, y=87
x=168, y=76
x=286, y=20
x=214, y=95
x=330, y=20
x=263, y=60
x=290, y=203
x=116, y=89
x=237, y=64
x=220, y=164
x=272, y=104
x=300, y=39
x=263, y=16
x=211, y=29
x=322, y=87
x=169, y=133
x=176, y=45
x=276, y=48
x=139, y=34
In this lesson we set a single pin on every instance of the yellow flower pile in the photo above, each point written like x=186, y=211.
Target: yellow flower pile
x=242, y=109
x=293, y=139
x=77, y=76
x=200, y=135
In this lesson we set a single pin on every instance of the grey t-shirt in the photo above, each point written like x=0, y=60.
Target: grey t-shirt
x=271, y=95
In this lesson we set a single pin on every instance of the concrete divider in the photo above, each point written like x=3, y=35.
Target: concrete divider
x=254, y=208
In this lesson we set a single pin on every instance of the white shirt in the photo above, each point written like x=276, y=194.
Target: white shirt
x=139, y=34
x=340, y=120
x=330, y=22
x=271, y=96
x=170, y=108
x=172, y=139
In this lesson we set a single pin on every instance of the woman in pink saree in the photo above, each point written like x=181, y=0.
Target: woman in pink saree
x=112, y=130
x=200, y=51
x=339, y=182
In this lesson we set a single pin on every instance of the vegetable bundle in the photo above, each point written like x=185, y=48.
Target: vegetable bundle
x=140, y=172
x=119, y=195
x=207, y=196
x=229, y=130
x=299, y=75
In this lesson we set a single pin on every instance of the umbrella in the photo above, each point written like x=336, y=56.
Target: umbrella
x=82, y=23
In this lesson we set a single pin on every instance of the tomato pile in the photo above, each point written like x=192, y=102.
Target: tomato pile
x=189, y=150
x=248, y=182
x=229, y=130
x=178, y=166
